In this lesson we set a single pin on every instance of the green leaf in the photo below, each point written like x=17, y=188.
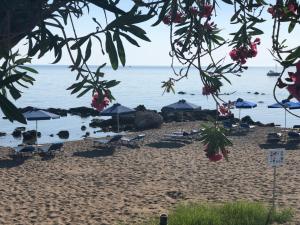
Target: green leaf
x=294, y=55
x=11, y=79
x=111, y=50
x=162, y=12
x=88, y=51
x=29, y=69
x=228, y=2
x=130, y=39
x=121, y=50
x=15, y=93
x=79, y=42
x=291, y=26
x=10, y=110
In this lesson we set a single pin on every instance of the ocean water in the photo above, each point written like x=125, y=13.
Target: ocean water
x=140, y=85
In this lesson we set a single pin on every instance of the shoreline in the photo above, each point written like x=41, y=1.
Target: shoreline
x=81, y=186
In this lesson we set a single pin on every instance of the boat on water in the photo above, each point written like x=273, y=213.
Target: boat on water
x=273, y=73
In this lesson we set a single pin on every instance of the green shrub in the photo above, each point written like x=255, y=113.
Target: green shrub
x=235, y=213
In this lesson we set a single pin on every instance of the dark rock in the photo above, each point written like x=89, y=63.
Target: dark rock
x=21, y=128
x=248, y=120
x=263, y=93
x=147, y=120
x=51, y=135
x=87, y=133
x=249, y=92
x=27, y=108
x=64, y=134
x=140, y=108
x=181, y=93
x=83, y=128
x=269, y=125
x=260, y=102
x=17, y=132
x=192, y=94
x=29, y=137
x=256, y=93
x=100, y=123
x=83, y=111
x=2, y=134
x=57, y=111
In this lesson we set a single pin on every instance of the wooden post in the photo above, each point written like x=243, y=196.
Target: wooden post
x=163, y=220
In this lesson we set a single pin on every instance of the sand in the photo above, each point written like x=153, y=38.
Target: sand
x=84, y=185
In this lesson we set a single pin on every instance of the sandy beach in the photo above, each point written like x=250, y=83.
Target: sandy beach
x=84, y=185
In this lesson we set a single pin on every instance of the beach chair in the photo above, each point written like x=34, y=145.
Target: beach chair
x=134, y=141
x=23, y=150
x=51, y=149
x=108, y=142
x=246, y=126
x=293, y=137
x=273, y=138
x=229, y=126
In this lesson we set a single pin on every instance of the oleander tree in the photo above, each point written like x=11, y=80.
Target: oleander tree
x=41, y=26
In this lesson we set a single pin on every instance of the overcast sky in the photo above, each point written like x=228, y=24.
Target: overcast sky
x=156, y=53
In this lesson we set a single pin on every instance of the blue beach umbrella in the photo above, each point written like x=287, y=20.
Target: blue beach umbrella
x=241, y=104
x=288, y=105
x=116, y=110
x=38, y=114
x=181, y=105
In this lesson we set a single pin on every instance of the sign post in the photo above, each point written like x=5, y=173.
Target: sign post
x=275, y=158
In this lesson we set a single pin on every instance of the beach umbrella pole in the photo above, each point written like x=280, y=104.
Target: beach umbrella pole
x=285, y=118
x=36, y=135
x=118, y=122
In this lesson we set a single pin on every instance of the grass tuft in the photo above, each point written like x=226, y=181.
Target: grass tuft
x=235, y=213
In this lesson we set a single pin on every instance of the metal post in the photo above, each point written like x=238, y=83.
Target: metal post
x=284, y=118
x=274, y=187
x=163, y=220
x=36, y=136
x=239, y=115
x=118, y=122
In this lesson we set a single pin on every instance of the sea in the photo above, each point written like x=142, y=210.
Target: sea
x=140, y=85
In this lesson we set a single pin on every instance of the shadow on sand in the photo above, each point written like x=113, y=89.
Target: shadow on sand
x=287, y=146
x=166, y=144
x=95, y=153
x=14, y=162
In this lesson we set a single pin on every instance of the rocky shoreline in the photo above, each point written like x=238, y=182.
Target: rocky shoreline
x=141, y=119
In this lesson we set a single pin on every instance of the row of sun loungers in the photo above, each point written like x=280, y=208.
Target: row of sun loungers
x=48, y=149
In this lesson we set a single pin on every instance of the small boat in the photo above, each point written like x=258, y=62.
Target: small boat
x=273, y=73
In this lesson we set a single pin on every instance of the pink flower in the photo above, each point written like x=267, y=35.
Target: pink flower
x=234, y=54
x=257, y=41
x=243, y=61
x=194, y=11
x=100, y=106
x=271, y=10
x=292, y=7
x=207, y=10
x=167, y=20
x=215, y=157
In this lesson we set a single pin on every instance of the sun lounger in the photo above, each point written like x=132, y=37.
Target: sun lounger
x=108, y=142
x=51, y=149
x=274, y=137
x=293, y=137
x=133, y=142
x=24, y=149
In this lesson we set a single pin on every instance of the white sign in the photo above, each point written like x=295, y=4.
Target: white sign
x=276, y=157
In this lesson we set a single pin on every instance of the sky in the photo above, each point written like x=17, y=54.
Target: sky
x=156, y=52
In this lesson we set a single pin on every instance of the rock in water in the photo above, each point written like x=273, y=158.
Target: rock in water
x=147, y=120
x=2, y=134
x=83, y=128
x=29, y=136
x=64, y=134
x=18, y=132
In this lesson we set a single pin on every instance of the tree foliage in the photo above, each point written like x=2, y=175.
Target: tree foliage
x=194, y=36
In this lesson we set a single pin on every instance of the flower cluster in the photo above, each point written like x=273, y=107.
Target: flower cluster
x=224, y=110
x=283, y=11
x=179, y=18
x=207, y=90
x=241, y=54
x=99, y=105
x=216, y=156
x=205, y=12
